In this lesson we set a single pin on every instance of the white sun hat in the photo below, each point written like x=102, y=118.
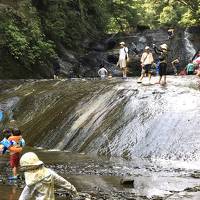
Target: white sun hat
x=122, y=43
x=164, y=46
x=30, y=159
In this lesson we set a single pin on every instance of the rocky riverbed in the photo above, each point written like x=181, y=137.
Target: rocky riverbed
x=102, y=178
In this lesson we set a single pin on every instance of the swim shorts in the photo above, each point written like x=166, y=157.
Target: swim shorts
x=14, y=160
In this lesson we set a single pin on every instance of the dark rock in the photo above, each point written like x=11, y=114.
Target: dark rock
x=128, y=182
x=195, y=175
x=142, y=27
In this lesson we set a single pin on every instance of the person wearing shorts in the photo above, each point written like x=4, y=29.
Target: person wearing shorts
x=17, y=142
x=123, y=59
x=163, y=53
x=146, y=63
x=14, y=160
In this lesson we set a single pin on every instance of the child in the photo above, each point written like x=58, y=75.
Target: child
x=17, y=143
x=190, y=68
x=40, y=181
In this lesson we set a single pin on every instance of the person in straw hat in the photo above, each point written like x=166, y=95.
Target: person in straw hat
x=146, y=64
x=163, y=53
x=40, y=181
x=123, y=59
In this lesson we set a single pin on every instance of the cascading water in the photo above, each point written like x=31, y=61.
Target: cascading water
x=188, y=45
x=111, y=118
x=115, y=118
x=128, y=121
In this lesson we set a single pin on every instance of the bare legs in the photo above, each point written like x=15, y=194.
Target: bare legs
x=124, y=72
x=160, y=78
x=142, y=76
x=14, y=170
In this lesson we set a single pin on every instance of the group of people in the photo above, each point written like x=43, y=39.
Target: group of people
x=39, y=180
x=193, y=67
x=148, y=63
x=122, y=63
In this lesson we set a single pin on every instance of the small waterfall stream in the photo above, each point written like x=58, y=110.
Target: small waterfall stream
x=188, y=45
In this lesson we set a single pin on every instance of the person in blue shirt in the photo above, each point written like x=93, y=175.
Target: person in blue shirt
x=190, y=68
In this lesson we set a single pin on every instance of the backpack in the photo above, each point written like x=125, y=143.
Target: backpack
x=126, y=56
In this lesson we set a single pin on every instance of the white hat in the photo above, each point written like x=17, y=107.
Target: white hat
x=147, y=47
x=30, y=159
x=164, y=46
x=122, y=43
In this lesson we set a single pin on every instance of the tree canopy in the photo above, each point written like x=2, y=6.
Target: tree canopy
x=153, y=13
x=31, y=29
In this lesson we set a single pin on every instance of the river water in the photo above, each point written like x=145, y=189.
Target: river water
x=98, y=133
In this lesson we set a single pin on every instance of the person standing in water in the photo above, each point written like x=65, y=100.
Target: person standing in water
x=162, y=52
x=17, y=142
x=190, y=68
x=123, y=59
x=56, y=68
x=146, y=64
x=102, y=72
x=176, y=65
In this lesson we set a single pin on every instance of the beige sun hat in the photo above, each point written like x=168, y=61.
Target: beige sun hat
x=122, y=43
x=164, y=46
x=30, y=159
x=147, y=47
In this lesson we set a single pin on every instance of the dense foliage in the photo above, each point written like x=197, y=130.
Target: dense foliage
x=22, y=35
x=125, y=14
x=31, y=29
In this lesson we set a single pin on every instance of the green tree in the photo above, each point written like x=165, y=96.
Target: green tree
x=168, y=16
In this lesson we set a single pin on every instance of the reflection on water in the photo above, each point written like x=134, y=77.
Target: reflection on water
x=9, y=192
x=101, y=177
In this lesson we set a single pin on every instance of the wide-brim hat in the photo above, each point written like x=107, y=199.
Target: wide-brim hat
x=122, y=43
x=147, y=47
x=164, y=46
x=30, y=159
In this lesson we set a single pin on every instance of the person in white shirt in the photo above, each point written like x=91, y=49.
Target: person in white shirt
x=123, y=59
x=146, y=63
x=102, y=72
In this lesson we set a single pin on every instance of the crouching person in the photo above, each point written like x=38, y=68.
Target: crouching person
x=40, y=180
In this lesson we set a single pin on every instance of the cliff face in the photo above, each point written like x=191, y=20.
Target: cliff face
x=183, y=45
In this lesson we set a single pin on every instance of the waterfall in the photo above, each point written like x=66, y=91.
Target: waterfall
x=127, y=121
x=115, y=118
x=188, y=45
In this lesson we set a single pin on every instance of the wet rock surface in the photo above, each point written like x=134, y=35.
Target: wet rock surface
x=155, y=129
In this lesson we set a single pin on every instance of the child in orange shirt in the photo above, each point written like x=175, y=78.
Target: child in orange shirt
x=15, y=150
